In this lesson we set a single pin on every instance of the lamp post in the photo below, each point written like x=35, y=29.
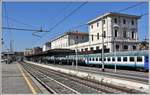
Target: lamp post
x=103, y=52
x=103, y=35
x=76, y=55
x=115, y=55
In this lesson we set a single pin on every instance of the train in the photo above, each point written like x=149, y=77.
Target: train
x=127, y=59
x=138, y=60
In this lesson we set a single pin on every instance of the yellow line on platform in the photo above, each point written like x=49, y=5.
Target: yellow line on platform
x=27, y=80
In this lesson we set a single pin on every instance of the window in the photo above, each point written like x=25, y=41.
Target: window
x=91, y=26
x=100, y=59
x=76, y=42
x=86, y=49
x=92, y=37
x=82, y=37
x=134, y=47
x=124, y=34
x=103, y=21
x=96, y=59
x=93, y=59
x=119, y=59
x=104, y=46
x=132, y=22
x=81, y=49
x=76, y=37
x=132, y=34
x=90, y=59
x=104, y=34
x=91, y=48
x=113, y=59
x=97, y=36
x=108, y=59
x=125, y=59
x=97, y=48
x=139, y=59
x=124, y=21
x=146, y=59
x=132, y=59
x=115, y=20
x=104, y=59
x=116, y=32
x=125, y=47
x=97, y=24
x=117, y=47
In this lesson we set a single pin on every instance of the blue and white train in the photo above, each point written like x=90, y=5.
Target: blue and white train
x=134, y=59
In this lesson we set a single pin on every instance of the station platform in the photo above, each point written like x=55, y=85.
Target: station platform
x=15, y=80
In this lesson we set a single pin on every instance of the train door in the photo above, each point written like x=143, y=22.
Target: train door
x=87, y=59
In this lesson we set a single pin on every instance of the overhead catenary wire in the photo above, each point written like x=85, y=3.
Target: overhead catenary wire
x=10, y=28
x=130, y=7
x=61, y=11
x=58, y=23
x=62, y=20
x=78, y=26
x=19, y=22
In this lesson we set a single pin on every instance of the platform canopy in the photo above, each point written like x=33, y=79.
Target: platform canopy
x=53, y=52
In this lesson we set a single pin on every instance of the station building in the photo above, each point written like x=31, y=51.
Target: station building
x=66, y=40
x=119, y=34
x=35, y=50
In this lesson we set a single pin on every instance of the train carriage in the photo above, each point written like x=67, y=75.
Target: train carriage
x=134, y=59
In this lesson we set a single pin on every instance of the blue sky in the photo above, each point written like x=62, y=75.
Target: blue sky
x=47, y=14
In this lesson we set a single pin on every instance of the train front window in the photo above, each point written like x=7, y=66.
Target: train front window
x=139, y=59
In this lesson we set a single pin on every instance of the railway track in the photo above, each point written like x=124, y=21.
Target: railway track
x=60, y=83
x=52, y=85
x=56, y=84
